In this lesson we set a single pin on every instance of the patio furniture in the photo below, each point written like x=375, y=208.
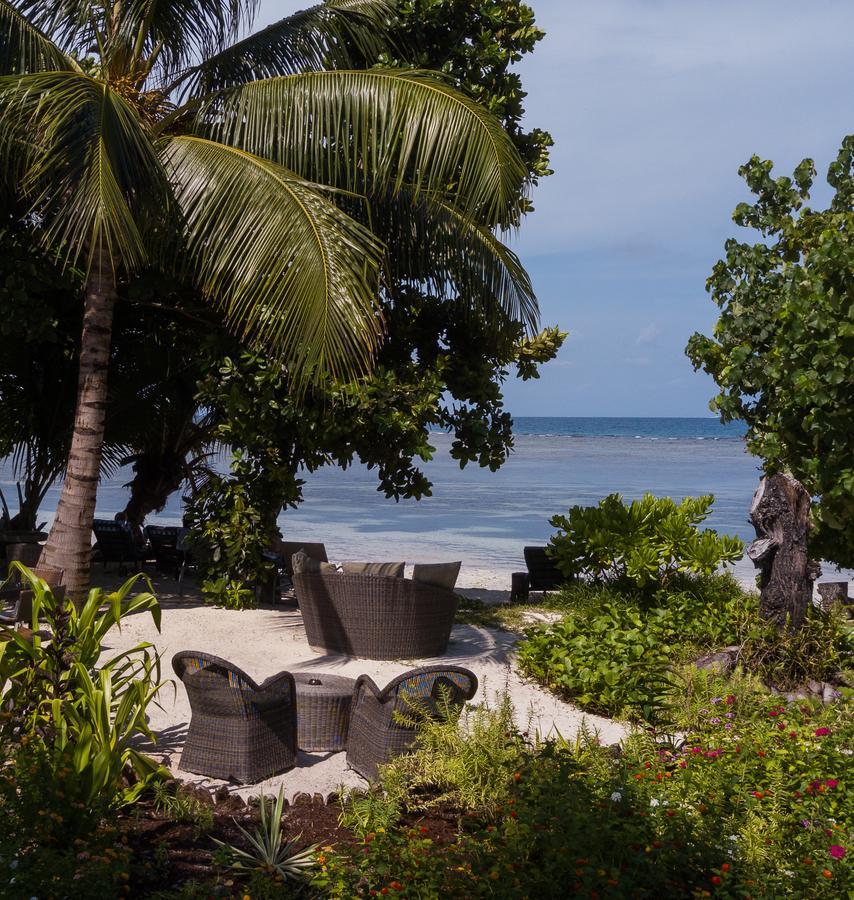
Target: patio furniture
x=10, y=593
x=376, y=732
x=239, y=730
x=285, y=550
x=163, y=543
x=375, y=616
x=323, y=710
x=544, y=574
x=22, y=614
x=114, y=542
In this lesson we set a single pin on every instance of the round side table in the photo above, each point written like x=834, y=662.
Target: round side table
x=323, y=710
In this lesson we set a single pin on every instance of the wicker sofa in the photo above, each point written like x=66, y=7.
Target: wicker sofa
x=374, y=616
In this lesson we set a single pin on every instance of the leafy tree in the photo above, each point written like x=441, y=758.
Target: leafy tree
x=384, y=420
x=151, y=131
x=782, y=348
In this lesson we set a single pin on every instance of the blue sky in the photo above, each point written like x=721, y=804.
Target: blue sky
x=654, y=104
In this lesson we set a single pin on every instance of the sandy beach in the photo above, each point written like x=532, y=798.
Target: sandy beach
x=265, y=641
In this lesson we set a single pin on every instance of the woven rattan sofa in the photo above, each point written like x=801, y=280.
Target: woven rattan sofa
x=374, y=616
x=377, y=734
x=239, y=730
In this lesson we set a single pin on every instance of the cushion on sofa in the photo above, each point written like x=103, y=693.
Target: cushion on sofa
x=442, y=575
x=302, y=563
x=388, y=569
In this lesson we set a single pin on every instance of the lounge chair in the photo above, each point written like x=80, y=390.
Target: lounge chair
x=115, y=542
x=544, y=574
x=22, y=598
x=377, y=733
x=163, y=541
x=239, y=730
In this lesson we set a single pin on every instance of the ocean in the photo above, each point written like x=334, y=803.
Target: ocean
x=486, y=518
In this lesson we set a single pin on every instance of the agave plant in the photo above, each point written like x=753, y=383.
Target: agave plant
x=268, y=851
x=157, y=132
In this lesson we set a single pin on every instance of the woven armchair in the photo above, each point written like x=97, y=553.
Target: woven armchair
x=374, y=616
x=377, y=735
x=239, y=730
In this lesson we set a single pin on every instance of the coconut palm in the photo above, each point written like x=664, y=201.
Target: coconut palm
x=161, y=132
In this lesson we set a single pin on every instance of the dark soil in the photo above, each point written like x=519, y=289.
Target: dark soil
x=170, y=855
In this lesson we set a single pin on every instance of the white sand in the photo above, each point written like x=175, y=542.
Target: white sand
x=265, y=641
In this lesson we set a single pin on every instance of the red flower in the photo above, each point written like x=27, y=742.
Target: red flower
x=836, y=851
x=831, y=782
x=715, y=879
x=757, y=794
x=827, y=873
x=774, y=712
x=822, y=732
x=395, y=885
x=725, y=867
x=730, y=700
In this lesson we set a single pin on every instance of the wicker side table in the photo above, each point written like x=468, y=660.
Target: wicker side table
x=323, y=710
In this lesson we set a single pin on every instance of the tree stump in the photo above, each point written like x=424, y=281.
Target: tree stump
x=780, y=513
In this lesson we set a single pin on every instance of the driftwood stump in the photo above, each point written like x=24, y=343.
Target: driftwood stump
x=780, y=513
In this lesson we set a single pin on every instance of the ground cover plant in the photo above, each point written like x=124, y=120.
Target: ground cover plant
x=613, y=652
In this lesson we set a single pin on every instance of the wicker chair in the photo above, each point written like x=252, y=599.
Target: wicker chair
x=376, y=734
x=375, y=617
x=239, y=730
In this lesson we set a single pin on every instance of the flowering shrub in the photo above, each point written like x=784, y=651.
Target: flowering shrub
x=744, y=808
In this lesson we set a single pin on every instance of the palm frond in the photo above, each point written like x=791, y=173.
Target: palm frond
x=459, y=259
x=24, y=48
x=85, y=161
x=179, y=31
x=288, y=268
x=334, y=34
x=376, y=129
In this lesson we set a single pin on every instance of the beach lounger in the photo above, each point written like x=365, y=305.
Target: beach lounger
x=114, y=542
x=544, y=574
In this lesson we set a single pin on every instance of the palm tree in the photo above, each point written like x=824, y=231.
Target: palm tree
x=153, y=132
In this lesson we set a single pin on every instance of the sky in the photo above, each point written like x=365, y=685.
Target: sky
x=654, y=105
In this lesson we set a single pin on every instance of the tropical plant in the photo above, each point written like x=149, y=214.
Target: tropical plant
x=72, y=717
x=642, y=544
x=782, y=347
x=145, y=132
x=268, y=851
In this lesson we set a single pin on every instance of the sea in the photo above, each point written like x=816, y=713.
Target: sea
x=486, y=518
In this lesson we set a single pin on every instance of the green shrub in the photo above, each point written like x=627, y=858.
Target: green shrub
x=612, y=652
x=642, y=544
x=463, y=764
x=70, y=719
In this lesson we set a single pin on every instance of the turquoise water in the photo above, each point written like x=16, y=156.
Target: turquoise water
x=486, y=518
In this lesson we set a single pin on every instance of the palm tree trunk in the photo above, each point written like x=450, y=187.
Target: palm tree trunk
x=69, y=544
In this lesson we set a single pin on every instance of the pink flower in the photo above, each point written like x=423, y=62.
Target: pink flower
x=821, y=732
x=836, y=851
x=730, y=700
x=831, y=782
x=774, y=712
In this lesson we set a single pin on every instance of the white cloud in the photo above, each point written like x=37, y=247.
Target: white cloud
x=648, y=334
